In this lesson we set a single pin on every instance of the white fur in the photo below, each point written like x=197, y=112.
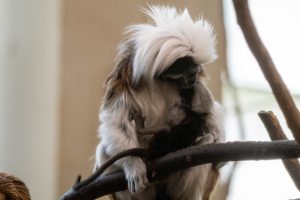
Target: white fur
x=172, y=35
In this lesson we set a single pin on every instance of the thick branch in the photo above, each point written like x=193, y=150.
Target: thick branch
x=276, y=133
x=212, y=153
x=270, y=72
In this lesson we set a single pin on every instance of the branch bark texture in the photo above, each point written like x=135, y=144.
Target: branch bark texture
x=276, y=133
x=182, y=159
x=267, y=65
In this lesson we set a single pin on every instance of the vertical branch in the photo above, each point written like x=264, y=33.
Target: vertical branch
x=266, y=64
x=276, y=133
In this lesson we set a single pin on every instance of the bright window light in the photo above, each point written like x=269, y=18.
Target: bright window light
x=277, y=22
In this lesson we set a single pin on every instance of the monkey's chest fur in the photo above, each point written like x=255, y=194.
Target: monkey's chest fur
x=184, y=134
x=181, y=135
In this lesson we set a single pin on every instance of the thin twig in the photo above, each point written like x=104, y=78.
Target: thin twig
x=182, y=159
x=276, y=133
x=266, y=64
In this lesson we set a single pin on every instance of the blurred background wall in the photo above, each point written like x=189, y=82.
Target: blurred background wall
x=54, y=56
x=29, y=93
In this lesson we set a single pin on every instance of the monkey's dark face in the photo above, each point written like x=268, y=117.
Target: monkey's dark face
x=183, y=72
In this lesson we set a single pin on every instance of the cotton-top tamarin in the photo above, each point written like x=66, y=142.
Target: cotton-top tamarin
x=158, y=81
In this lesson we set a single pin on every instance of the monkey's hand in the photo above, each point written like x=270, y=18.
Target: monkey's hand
x=136, y=175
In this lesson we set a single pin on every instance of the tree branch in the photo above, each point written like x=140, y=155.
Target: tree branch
x=182, y=159
x=266, y=64
x=276, y=133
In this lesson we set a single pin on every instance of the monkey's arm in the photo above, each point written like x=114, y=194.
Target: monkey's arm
x=118, y=134
x=204, y=103
x=165, y=138
x=162, y=143
x=140, y=128
x=136, y=152
x=215, y=123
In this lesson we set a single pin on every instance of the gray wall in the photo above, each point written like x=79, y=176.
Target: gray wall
x=29, y=93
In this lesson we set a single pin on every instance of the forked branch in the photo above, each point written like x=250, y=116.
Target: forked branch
x=268, y=68
x=276, y=133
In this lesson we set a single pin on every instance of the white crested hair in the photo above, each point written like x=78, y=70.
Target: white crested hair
x=172, y=35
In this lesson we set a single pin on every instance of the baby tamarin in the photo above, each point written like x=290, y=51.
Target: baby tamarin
x=158, y=78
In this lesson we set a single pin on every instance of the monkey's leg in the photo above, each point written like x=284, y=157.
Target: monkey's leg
x=211, y=183
x=147, y=194
x=188, y=184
